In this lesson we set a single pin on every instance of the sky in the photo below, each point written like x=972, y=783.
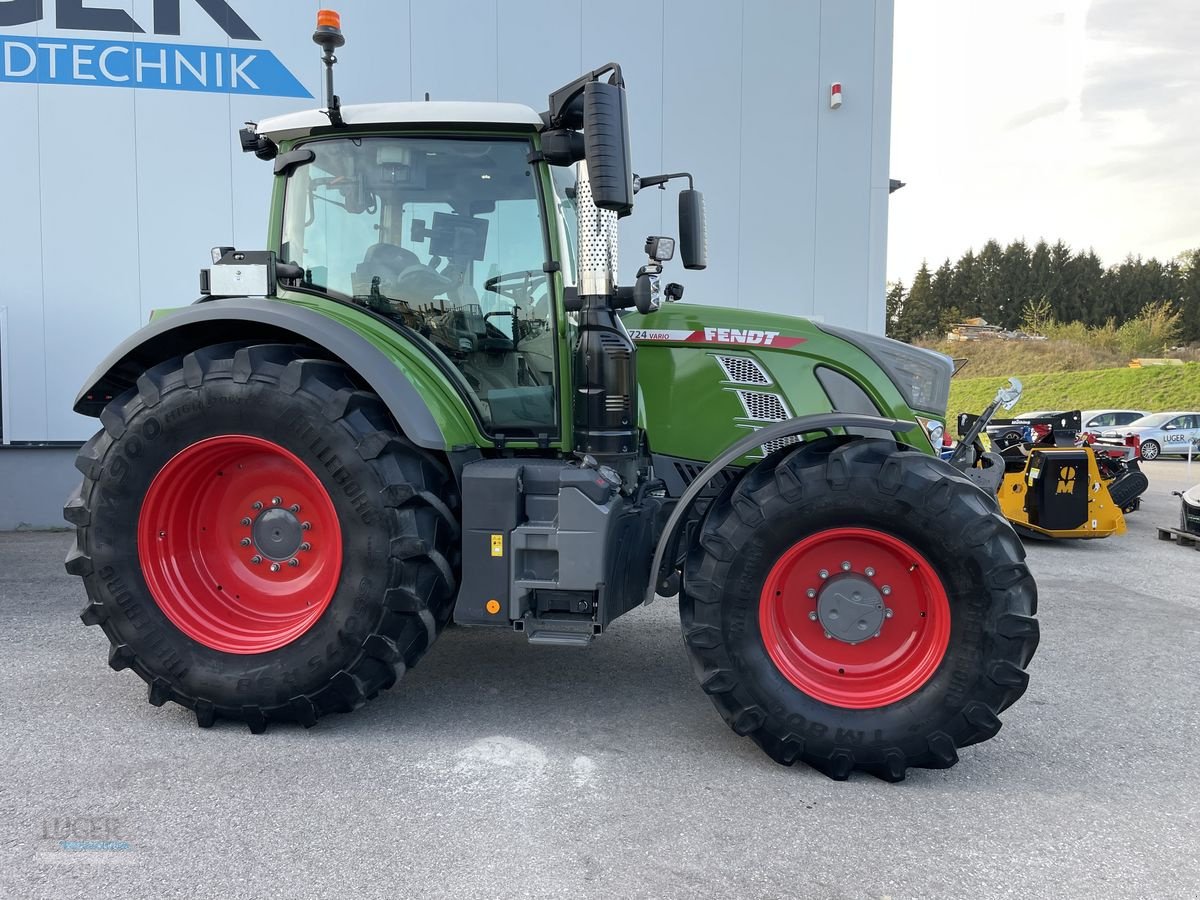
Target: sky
x=1054, y=119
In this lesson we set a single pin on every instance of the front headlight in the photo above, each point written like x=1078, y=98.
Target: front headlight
x=922, y=376
x=934, y=430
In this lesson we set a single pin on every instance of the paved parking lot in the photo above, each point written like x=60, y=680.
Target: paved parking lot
x=497, y=769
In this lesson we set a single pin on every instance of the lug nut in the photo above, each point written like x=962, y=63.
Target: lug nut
x=306, y=525
x=811, y=592
x=824, y=573
x=256, y=559
x=885, y=590
x=257, y=504
x=293, y=562
x=869, y=572
x=294, y=508
x=846, y=565
x=245, y=521
x=828, y=635
x=275, y=501
x=306, y=546
x=245, y=542
x=274, y=567
x=887, y=613
x=813, y=615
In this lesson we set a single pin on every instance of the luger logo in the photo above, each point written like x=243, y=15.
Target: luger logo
x=132, y=62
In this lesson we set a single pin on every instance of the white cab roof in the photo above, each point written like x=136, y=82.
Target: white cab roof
x=299, y=124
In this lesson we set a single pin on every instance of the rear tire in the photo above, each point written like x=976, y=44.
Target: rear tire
x=161, y=537
x=935, y=676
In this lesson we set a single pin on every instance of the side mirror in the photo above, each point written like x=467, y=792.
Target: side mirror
x=606, y=141
x=693, y=233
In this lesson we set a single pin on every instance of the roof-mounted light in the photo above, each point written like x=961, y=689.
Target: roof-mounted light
x=328, y=37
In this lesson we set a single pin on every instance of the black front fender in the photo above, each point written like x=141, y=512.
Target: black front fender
x=236, y=319
x=664, y=553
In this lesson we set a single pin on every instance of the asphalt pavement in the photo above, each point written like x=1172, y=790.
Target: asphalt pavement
x=500, y=769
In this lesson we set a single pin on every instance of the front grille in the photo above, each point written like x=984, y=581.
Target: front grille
x=740, y=370
x=763, y=407
x=771, y=446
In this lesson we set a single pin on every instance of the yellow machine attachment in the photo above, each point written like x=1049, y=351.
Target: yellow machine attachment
x=1059, y=493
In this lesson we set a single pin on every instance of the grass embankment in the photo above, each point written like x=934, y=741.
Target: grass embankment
x=1154, y=388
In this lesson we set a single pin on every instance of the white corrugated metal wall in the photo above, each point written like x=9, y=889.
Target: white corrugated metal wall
x=114, y=194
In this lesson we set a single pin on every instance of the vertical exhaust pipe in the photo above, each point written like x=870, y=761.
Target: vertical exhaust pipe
x=605, y=367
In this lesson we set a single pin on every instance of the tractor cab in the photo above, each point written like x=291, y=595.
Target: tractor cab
x=446, y=236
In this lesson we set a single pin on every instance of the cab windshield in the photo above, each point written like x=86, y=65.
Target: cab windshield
x=443, y=236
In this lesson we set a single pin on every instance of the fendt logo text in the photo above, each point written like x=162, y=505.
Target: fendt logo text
x=740, y=336
x=132, y=62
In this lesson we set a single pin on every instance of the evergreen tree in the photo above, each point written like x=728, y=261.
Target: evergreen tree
x=1188, y=287
x=991, y=295
x=1002, y=284
x=966, y=285
x=893, y=307
x=1042, y=278
x=919, y=316
x=1087, y=275
x=1064, y=302
x=1014, y=284
x=945, y=302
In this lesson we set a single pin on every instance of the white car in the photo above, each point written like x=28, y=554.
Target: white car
x=1097, y=420
x=1162, y=433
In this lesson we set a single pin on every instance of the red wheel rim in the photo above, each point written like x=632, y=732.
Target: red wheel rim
x=799, y=608
x=215, y=508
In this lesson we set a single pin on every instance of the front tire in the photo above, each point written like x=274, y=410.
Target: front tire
x=857, y=606
x=1150, y=450
x=257, y=540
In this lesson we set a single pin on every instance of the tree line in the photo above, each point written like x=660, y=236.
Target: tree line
x=1003, y=284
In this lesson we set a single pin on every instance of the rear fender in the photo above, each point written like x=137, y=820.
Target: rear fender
x=662, y=568
x=235, y=319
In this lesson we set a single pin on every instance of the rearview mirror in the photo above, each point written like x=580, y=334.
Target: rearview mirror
x=606, y=142
x=693, y=233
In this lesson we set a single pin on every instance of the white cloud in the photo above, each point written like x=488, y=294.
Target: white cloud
x=1059, y=119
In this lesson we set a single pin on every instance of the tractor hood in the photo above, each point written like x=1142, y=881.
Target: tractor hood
x=921, y=376
x=708, y=374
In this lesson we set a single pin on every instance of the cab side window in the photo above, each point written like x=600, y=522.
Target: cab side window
x=445, y=236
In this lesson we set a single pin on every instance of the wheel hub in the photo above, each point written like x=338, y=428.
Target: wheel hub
x=239, y=544
x=850, y=608
x=277, y=534
x=854, y=617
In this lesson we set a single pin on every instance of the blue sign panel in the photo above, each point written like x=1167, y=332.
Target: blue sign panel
x=138, y=64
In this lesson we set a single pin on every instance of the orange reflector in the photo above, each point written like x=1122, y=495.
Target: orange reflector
x=329, y=18
x=493, y=606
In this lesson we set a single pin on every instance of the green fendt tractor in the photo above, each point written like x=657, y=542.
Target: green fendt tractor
x=430, y=401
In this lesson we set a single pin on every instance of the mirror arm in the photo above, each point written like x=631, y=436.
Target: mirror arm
x=561, y=111
x=661, y=181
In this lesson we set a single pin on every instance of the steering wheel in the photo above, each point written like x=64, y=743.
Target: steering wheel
x=517, y=286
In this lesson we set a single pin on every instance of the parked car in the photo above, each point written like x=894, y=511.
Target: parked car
x=1161, y=433
x=1015, y=430
x=1095, y=420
